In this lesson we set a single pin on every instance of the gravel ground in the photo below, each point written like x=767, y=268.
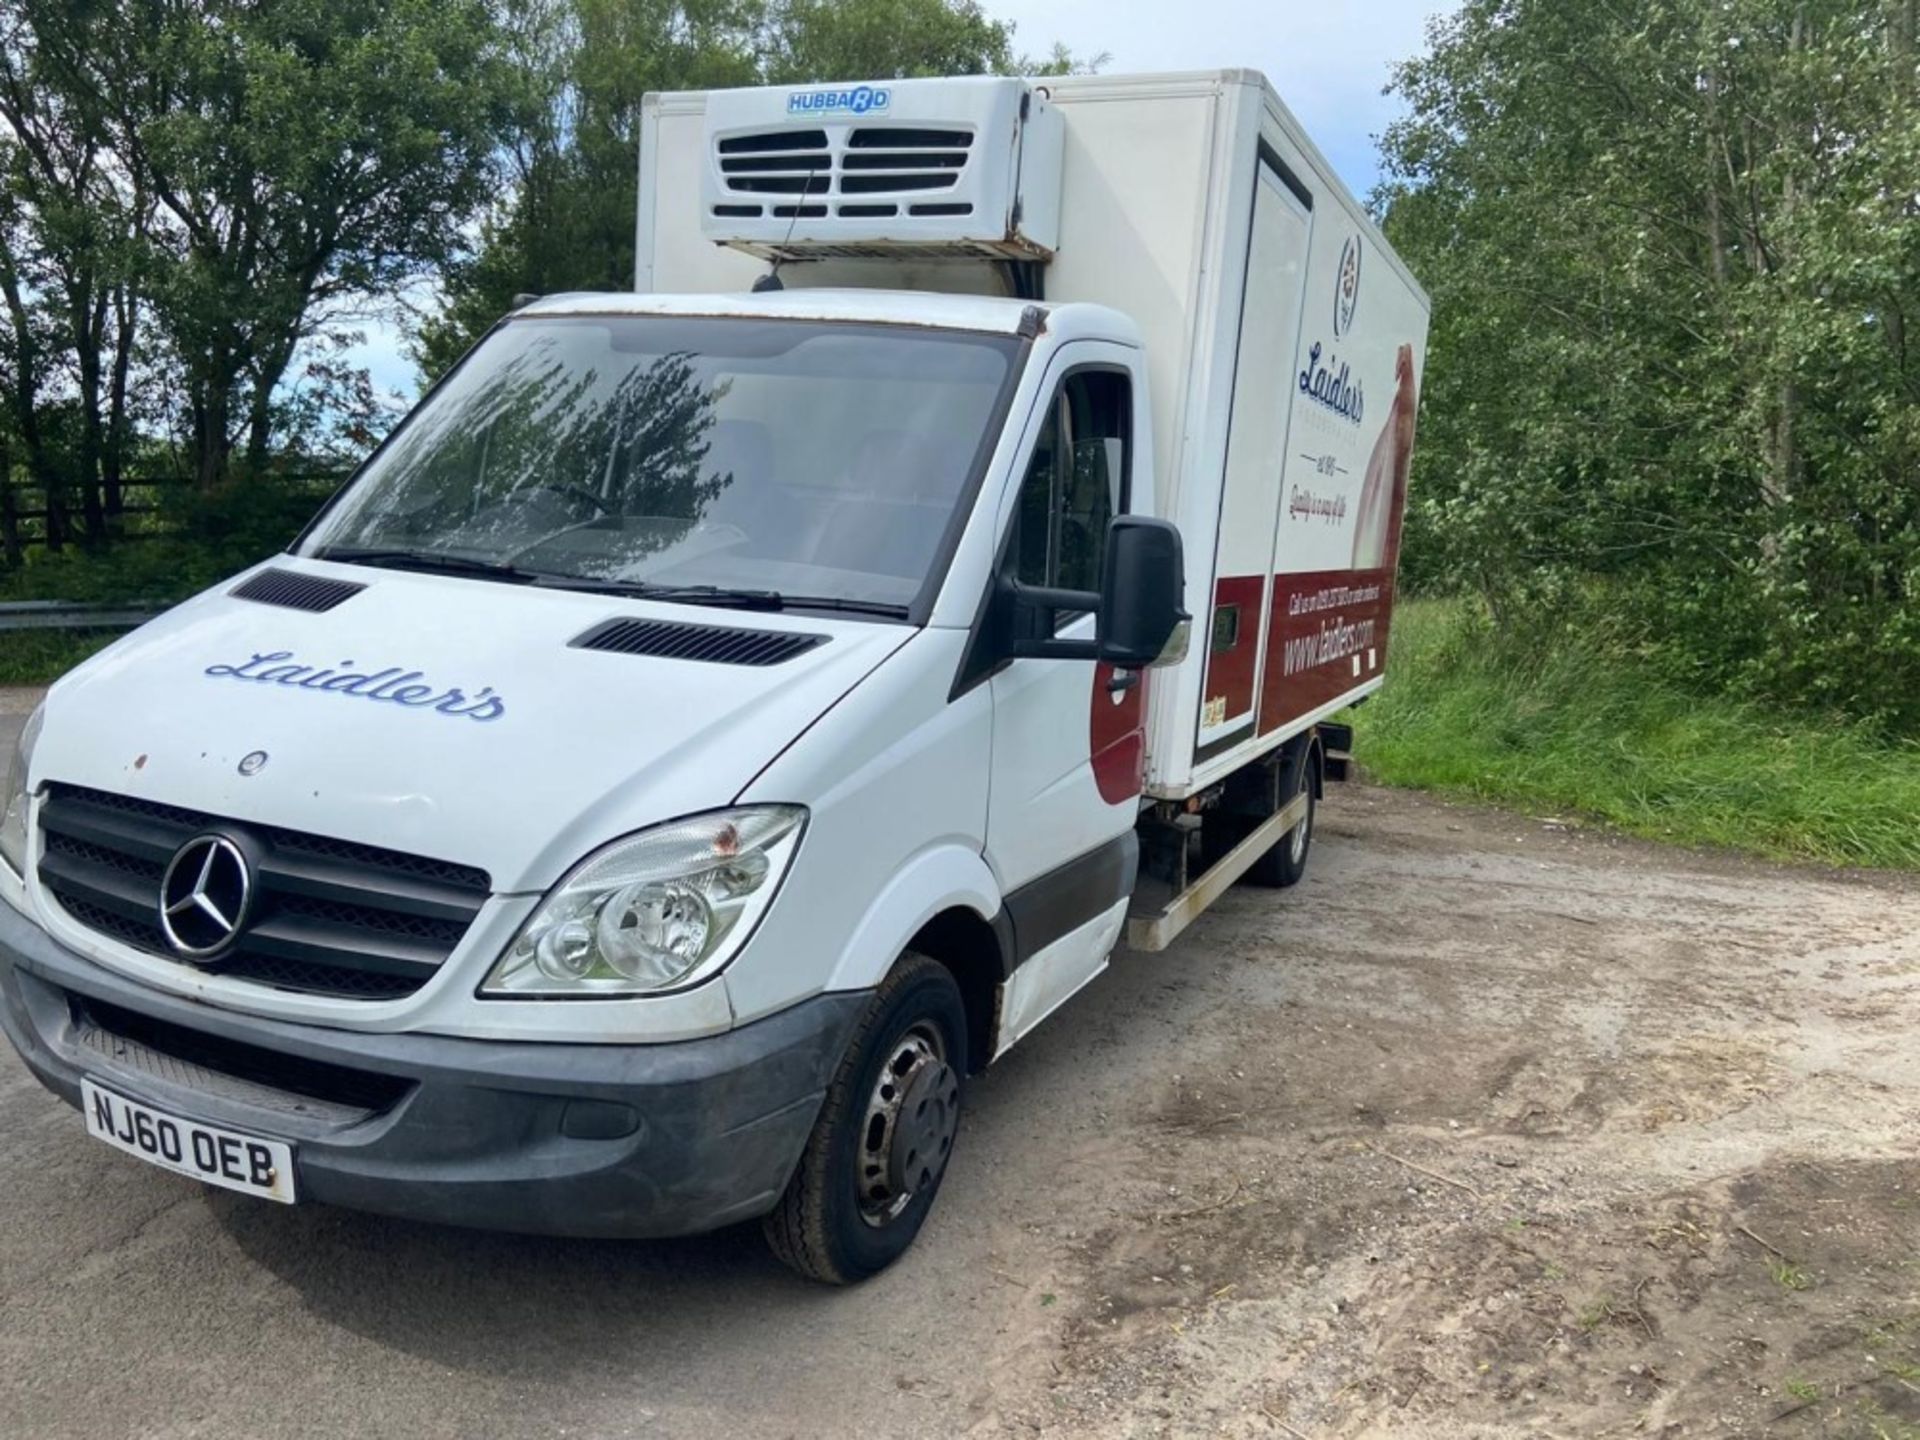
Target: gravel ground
x=1492, y=1127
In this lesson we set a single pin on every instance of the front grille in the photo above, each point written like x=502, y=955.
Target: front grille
x=330, y=917
x=143, y=1043
x=872, y=162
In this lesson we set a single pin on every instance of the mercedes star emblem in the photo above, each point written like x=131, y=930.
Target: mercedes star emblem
x=204, y=896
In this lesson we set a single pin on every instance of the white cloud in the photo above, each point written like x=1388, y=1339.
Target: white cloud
x=1329, y=59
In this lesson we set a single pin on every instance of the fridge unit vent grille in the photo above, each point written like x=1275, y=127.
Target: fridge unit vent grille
x=956, y=168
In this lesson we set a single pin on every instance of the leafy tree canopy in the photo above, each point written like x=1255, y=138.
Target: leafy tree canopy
x=1674, y=259
x=566, y=219
x=192, y=190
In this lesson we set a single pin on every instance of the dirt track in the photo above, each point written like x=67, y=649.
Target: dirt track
x=1491, y=1128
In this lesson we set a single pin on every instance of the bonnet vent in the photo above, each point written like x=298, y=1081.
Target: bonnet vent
x=295, y=591
x=718, y=644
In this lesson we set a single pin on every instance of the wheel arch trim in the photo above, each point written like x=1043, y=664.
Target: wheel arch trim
x=941, y=878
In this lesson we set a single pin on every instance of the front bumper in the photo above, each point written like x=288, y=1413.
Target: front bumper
x=626, y=1140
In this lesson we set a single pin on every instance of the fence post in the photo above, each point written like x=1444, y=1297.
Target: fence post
x=9, y=507
x=53, y=523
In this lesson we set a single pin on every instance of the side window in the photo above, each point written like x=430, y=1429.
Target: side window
x=1076, y=482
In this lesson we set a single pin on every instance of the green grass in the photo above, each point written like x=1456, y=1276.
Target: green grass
x=40, y=657
x=1585, y=730
x=161, y=569
x=156, y=571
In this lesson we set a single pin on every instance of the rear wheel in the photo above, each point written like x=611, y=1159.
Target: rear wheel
x=885, y=1132
x=1286, y=861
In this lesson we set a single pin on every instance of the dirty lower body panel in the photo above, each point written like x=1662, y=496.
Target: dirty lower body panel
x=613, y=1140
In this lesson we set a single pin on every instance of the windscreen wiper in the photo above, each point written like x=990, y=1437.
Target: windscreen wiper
x=886, y=608
x=433, y=561
x=721, y=596
x=672, y=594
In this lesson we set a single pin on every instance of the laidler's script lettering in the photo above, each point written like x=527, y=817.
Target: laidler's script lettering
x=394, y=685
x=1335, y=389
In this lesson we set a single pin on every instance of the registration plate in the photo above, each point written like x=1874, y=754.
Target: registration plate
x=186, y=1147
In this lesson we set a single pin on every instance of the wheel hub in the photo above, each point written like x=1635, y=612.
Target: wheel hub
x=924, y=1136
x=1303, y=831
x=911, y=1119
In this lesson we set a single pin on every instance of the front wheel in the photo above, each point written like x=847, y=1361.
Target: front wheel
x=885, y=1132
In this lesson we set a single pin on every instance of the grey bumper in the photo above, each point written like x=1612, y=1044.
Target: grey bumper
x=630, y=1140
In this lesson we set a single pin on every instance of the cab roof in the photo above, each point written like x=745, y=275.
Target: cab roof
x=981, y=313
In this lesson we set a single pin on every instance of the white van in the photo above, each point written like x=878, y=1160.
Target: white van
x=721, y=718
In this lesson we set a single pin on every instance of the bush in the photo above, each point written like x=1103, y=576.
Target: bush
x=202, y=540
x=1583, y=725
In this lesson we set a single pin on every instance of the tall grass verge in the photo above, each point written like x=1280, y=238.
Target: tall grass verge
x=1582, y=726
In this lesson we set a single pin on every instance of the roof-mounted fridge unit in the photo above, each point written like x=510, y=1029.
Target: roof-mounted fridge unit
x=947, y=168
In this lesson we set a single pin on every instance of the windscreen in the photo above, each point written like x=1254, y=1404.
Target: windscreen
x=803, y=457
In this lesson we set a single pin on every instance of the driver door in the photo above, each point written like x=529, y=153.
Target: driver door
x=1068, y=735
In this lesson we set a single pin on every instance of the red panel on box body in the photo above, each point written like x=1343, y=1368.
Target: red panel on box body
x=1322, y=623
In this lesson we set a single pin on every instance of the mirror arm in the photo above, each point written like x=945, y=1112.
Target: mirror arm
x=1056, y=649
x=1041, y=597
x=1017, y=597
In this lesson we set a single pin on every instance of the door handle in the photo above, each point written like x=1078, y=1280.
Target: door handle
x=1123, y=681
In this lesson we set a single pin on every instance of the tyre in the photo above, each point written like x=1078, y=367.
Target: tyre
x=1286, y=861
x=880, y=1146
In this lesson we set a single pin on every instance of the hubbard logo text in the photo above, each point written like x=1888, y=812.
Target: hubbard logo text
x=855, y=100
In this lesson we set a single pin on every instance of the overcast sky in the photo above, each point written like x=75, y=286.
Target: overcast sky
x=1329, y=59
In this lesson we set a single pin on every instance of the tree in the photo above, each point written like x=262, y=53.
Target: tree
x=811, y=40
x=567, y=220
x=1672, y=250
x=302, y=157
x=68, y=273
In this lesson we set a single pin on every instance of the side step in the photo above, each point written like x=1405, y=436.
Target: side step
x=1157, y=929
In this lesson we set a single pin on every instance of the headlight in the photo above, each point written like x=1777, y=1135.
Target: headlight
x=660, y=909
x=13, y=825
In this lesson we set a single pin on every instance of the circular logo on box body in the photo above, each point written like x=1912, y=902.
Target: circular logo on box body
x=204, y=896
x=1346, y=287
x=253, y=762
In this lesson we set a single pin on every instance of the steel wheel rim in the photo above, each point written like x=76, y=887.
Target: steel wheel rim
x=1302, y=831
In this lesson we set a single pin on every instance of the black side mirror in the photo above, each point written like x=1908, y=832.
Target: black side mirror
x=1141, y=610
x=1139, y=618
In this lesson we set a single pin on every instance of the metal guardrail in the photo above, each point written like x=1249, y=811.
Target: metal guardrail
x=70, y=615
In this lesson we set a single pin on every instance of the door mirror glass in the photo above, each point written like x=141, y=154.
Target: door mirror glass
x=1143, y=618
